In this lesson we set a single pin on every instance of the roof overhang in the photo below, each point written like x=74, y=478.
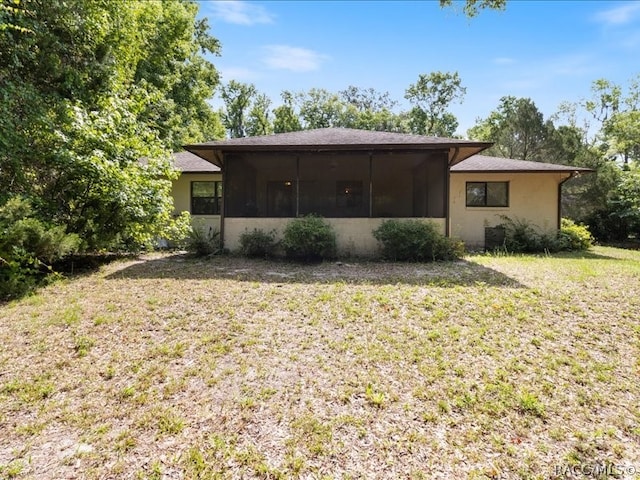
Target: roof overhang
x=457, y=152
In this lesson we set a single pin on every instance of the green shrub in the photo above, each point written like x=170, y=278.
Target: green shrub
x=309, y=238
x=575, y=237
x=415, y=240
x=521, y=236
x=203, y=241
x=28, y=246
x=258, y=243
x=178, y=230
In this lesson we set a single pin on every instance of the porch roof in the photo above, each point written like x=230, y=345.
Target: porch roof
x=334, y=140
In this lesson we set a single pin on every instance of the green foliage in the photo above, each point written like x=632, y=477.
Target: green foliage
x=285, y=117
x=521, y=236
x=620, y=216
x=89, y=88
x=178, y=230
x=309, y=238
x=431, y=96
x=27, y=248
x=203, y=241
x=258, y=243
x=415, y=240
x=238, y=98
x=575, y=237
x=518, y=129
x=473, y=7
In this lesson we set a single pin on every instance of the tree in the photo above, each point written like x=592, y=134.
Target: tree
x=518, y=129
x=87, y=89
x=619, y=118
x=285, y=116
x=258, y=122
x=237, y=98
x=473, y=7
x=431, y=96
x=368, y=109
x=319, y=108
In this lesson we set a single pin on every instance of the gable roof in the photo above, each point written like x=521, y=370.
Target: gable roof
x=336, y=139
x=486, y=164
x=187, y=162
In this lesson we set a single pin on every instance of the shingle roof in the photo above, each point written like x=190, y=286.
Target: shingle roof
x=336, y=139
x=187, y=162
x=486, y=164
x=333, y=137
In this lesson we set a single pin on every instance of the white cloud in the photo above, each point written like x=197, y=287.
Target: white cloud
x=296, y=59
x=240, y=12
x=619, y=15
x=504, y=61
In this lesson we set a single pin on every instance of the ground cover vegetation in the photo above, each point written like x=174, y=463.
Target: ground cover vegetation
x=166, y=366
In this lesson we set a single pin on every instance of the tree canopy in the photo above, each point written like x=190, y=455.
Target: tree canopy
x=87, y=89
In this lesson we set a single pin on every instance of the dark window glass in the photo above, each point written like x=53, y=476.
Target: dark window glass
x=206, y=198
x=487, y=194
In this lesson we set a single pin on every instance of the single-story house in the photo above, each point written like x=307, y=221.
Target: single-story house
x=356, y=179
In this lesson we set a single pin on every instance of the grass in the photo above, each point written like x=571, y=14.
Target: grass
x=167, y=367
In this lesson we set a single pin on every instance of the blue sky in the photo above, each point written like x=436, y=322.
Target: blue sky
x=549, y=51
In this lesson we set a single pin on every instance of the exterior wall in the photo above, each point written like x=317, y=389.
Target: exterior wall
x=353, y=235
x=181, y=192
x=532, y=197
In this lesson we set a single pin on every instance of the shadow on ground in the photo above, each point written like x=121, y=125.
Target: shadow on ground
x=444, y=274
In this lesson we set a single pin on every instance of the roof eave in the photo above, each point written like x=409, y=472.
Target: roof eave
x=457, y=151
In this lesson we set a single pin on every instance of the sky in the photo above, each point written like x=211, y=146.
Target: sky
x=549, y=51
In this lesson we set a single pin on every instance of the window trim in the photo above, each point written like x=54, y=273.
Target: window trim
x=217, y=197
x=486, y=190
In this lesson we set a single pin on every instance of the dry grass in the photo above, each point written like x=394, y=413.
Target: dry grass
x=166, y=367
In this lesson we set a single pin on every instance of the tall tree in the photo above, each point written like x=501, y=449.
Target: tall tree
x=518, y=129
x=319, y=108
x=87, y=89
x=285, y=117
x=258, y=122
x=431, y=97
x=237, y=98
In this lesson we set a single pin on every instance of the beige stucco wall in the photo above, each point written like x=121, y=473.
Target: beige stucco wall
x=532, y=197
x=353, y=235
x=181, y=192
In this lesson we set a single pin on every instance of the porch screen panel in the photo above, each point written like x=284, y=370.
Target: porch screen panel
x=334, y=186
x=436, y=178
x=261, y=186
x=409, y=185
x=240, y=187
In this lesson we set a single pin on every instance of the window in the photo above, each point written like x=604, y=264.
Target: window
x=206, y=198
x=487, y=194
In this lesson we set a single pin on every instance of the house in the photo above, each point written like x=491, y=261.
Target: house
x=356, y=179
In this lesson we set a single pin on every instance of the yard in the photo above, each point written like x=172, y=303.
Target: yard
x=168, y=367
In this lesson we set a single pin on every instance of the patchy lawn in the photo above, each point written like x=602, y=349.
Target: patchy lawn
x=166, y=367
